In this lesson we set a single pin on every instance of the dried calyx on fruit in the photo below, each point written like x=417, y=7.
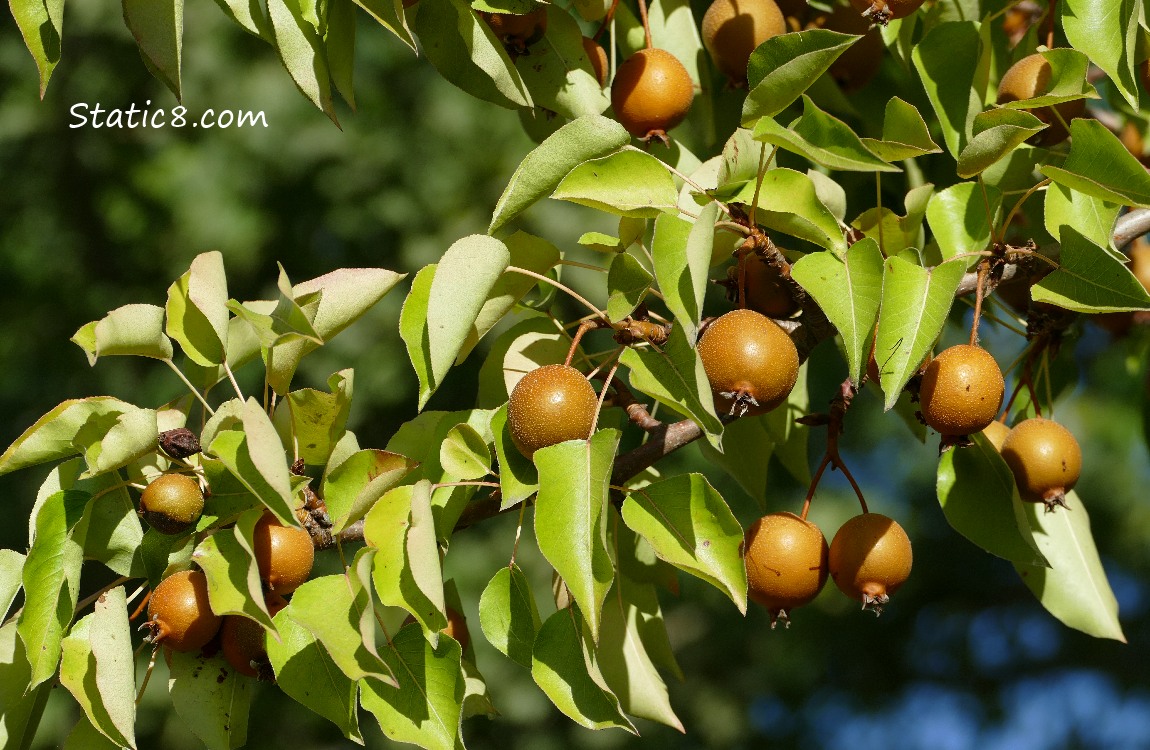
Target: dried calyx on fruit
x=243, y=642
x=172, y=503
x=550, y=405
x=179, y=613
x=179, y=442
x=517, y=32
x=869, y=559
x=733, y=28
x=961, y=390
x=884, y=11
x=750, y=361
x=786, y=558
x=284, y=554
x=1030, y=77
x=652, y=93
x=1045, y=459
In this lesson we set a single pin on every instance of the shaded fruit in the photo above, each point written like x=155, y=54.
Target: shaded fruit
x=179, y=614
x=517, y=32
x=1045, y=459
x=882, y=11
x=733, y=28
x=1140, y=262
x=284, y=554
x=550, y=405
x=766, y=291
x=869, y=559
x=244, y=642
x=961, y=390
x=786, y=558
x=598, y=57
x=172, y=503
x=751, y=363
x=861, y=61
x=796, y=9
x=652, y=93
x=1028, y=78
x=996, y=433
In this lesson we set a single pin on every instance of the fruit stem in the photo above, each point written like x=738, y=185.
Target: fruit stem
x=607, y=20
x=764, y=162
x=603, y=395
x=143, y=603
x=983, y=270
x=585, y=326
x=148, y=674
x=1053, y=6
x=437, y=485
x=646, y=23
x=561, y=287
x=518, y=533
x=834, y=421
x=192, y=388
x=232, y=378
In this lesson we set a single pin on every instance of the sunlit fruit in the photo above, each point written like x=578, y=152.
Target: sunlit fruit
x=172, y=503
x=733, y=28
x=961, y=390
x=243, y=642
x=869, y=559
x=1030, y=77
x=750, y=361
x=284, y=554
x=652, y=93
x=996, y=433
x=550, y=405
x=598, y=58
x=1045, y=459
x=179, y=613
x=786, y=558
x=1140, y=262
x=883, y=11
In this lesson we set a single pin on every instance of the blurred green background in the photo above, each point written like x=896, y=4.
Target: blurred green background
x=94, y=219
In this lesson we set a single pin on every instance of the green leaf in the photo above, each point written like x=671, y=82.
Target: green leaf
x=133, y=435
x=744, y=452
x=1107, y=32
x=163, y=555
x=314, y=421
x=563, y=667
x=301, y=50
x=306, y=672
x=339, y=47
x=389, y=14
x=675, y=377
x=352, y=487
x=1074, y=588
x=250, y=19
x=1064, y=81
x=465, y=52
x=602, y=243
x=131, y=330
x=627, y=284
x=689, y=525
x=558, y=73
x=413, y=331
x=211, y=698
x=915, y=303
x=1090, y=280
x=895, y=233
x=627, y=183
x=346, y=294
x=508, y=615
x=528, y=344
x=197, y=309
x=996, y=134
x=904, y=133
x=947, y=60
x=11, y=567
x=425, y=708
x=578, y=141
x=19, y=702
x=960, y=219
x=784, y=66
x=229, y=563
x=1100, y=166
x=978, y=496
x=571, y=517
x=51, y=579
x=849, y=293
x=1091, y=217
x=682, y=253
x=518, y=478
x=408, y=574
x=256, y=458
x=822, y=139
x=55, y=435
x=464, y=453
x=158, y=29
x=789, y=203
x=110, y=530
x=84, y=736
x=41, y=24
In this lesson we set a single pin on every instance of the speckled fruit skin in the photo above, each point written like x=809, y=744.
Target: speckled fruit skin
x=284, y=554
x=172, y=503
x=518, y=30
x=870, y=558
x=786, y=559
x=179, y=613
x=549, y=405
x=598, y=57
x=652, y=93
x=744, y=351
x=733, y=28
x=889, y=9
x=1028, y=78
x=1043, y=456
x=244, y=642
x=961, y=390
x=766, y=291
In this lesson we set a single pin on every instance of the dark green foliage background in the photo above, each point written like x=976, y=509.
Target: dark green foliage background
x=93, y=219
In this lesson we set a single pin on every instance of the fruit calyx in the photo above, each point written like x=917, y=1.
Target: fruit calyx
x=869, y=559
x=751, y=363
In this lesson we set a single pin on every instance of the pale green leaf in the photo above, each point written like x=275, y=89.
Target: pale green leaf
x=904, y=133
x=197, y=310
x=211, y=698
x=41, y=24
x=1090, y=280
x=352, y=487
x=822, y=139
x=947, y=61
x=558, y=73
x=628, y=282
x=1107, y=32
x=628, y=183
x=995, y=134
x=1091, y=217
x=960, y=219
x=301, y=50
x=789, y=203
x=682, y=253
x=464, y=454
x=158, y=28
x=508, y=615
x=784, y=66
x=332, y=608
x=132, y=330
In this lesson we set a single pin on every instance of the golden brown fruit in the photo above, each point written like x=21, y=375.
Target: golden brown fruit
x=551, y=404
x=961, y=390
x=733, y=28
x=284, y=554
x=243, y=642
x=1045, y=460
x=882, y=11
x=786, y=559
x=766, y=292
x=751, y=363
x=1028, y=78
x=652, y=93
x=996, y=433
x=1140, y=262
x=179, y=613
x=172, y=503
x=598, y=57
x=869, y=559
x=518, y=31
x=861, y=61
